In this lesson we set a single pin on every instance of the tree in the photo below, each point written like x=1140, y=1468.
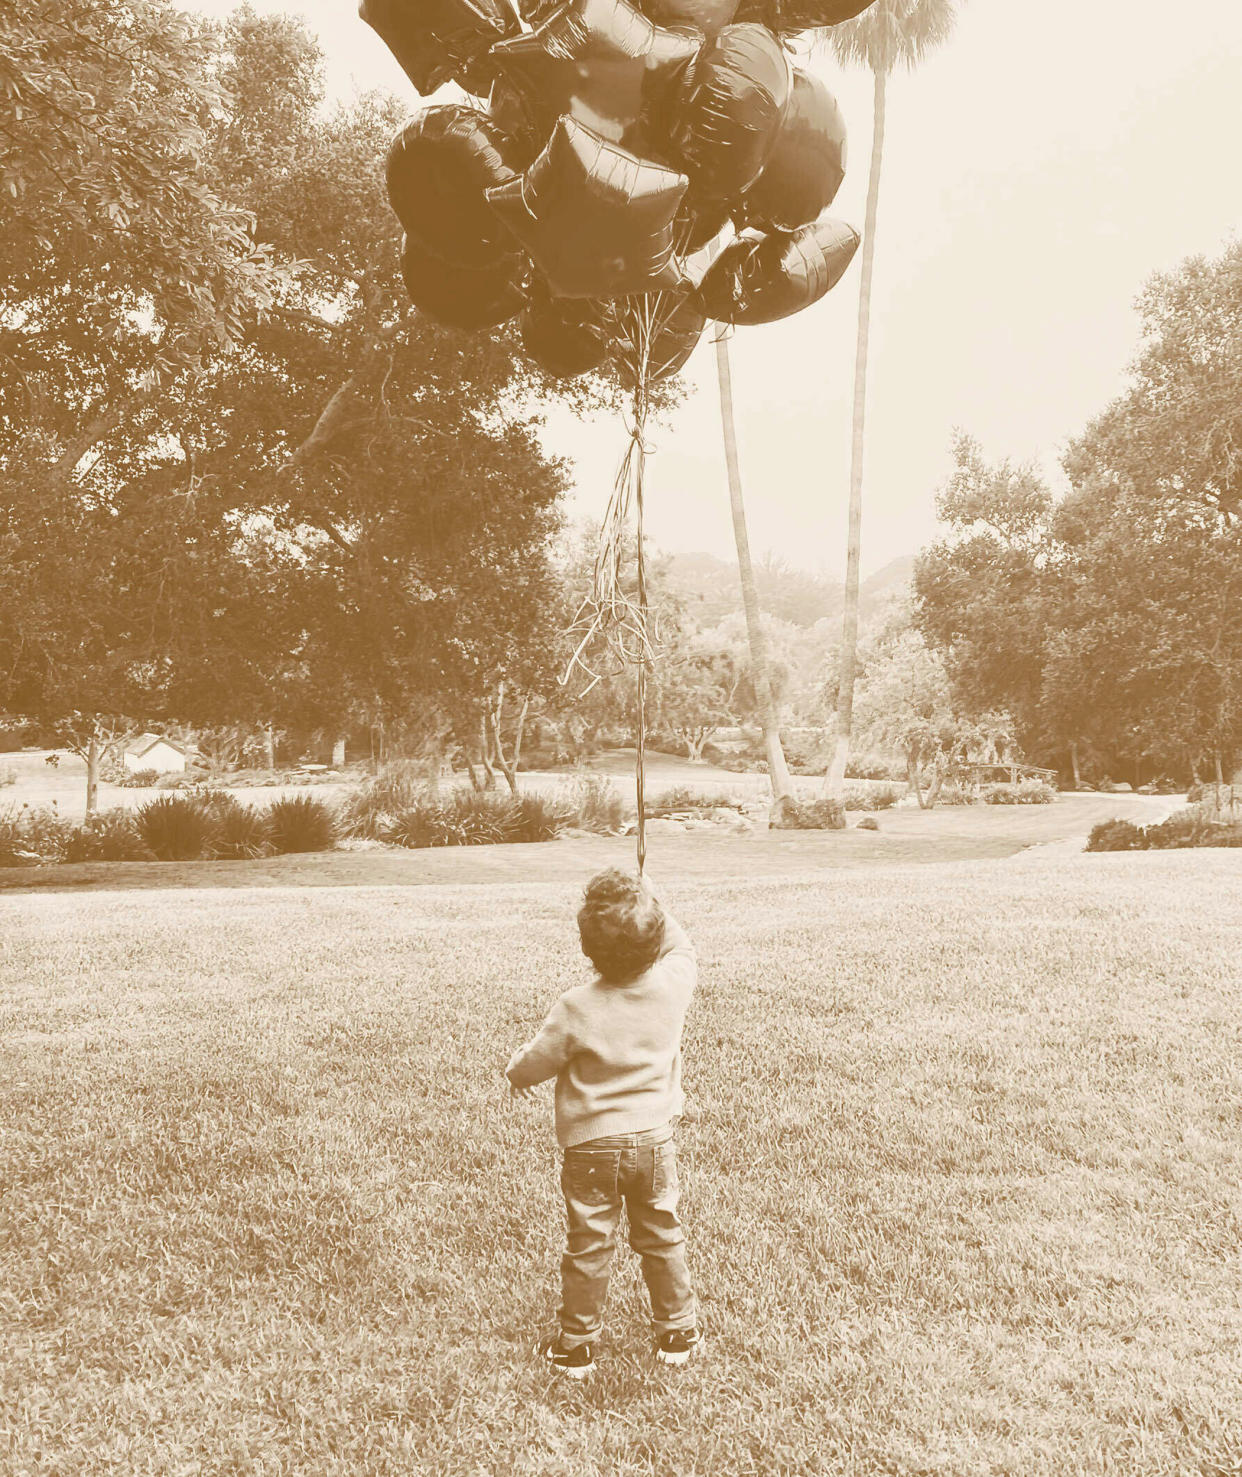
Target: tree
x=1177, y=430
x=986, y=592
x=120, y=267
x=778, y=772
x=889, y=32
x=906, y=704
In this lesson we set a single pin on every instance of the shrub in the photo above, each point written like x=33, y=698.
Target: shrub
x=301, y=823
x=873, y=797
x=8, y=775
x=138, y=779
x=35, y=830
x=395, y=788
x=537, y=818
x=177, y=828
x=598, y=805
x=464, y=818
x=1182, y=829
x=109, y=836
x=242, y=832
x=875, y=767
x=1025, y=792
x=952, y=792
x=682, y=797
x=813, y=815
x=1117, y=835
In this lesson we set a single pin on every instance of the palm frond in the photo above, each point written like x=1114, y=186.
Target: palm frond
x=892, y=32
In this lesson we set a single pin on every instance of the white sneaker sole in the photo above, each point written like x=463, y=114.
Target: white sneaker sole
x=682, y=1358
x=574, y=1372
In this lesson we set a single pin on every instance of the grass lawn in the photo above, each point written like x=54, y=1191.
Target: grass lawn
x=963, y=1181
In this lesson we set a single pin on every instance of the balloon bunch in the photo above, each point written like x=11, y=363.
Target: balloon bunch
x=631, y=171
x=634, y=170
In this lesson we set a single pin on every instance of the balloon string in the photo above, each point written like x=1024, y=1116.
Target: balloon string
x=640, y=421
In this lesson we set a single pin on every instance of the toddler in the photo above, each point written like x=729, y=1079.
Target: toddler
x=614, y=1047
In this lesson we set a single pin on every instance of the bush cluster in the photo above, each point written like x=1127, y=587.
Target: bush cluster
x=881, y=796
x=139, y=779
x=477, y=818
x=1192, y=827
x=684, y=798
x=1025, y=792
x=808, y=815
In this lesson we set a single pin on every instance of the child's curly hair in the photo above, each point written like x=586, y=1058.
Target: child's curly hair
x=621, y=925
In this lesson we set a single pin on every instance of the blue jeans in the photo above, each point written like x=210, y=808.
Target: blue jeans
x=638, y=1170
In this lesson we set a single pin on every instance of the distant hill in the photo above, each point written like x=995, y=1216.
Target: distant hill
x=709, y=588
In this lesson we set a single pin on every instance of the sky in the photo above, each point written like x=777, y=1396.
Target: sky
x=1038, y=169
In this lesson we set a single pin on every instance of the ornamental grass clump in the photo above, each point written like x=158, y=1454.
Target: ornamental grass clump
x=370, y=810
x=301, y=823
x=177, y=828
x=463, y=818
x=244, y=832
x=537, y=818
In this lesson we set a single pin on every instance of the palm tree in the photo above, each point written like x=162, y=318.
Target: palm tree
x=888, y=33
x=778, y=772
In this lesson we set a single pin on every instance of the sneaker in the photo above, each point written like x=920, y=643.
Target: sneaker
x=677, y=1346
x=577, y=1363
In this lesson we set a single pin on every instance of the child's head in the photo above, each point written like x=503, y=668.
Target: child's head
x=621, y=925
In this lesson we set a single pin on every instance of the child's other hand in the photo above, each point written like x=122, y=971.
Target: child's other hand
x=526, y=1093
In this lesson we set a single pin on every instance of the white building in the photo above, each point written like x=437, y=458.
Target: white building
x=150, y=751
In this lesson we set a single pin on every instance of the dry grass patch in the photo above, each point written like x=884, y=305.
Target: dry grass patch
x=963, y=1182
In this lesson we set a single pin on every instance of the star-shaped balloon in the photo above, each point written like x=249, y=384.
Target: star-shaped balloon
x=434, y=40
x=596, y=220
x=807, y=163
x=758, y=278
x=600, y=61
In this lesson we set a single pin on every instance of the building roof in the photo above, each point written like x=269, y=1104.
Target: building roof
x=145, y=742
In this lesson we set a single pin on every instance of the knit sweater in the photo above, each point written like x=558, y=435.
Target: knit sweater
x=615, y=1050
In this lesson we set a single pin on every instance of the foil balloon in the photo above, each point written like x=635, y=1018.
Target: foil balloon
x=565, y=337
x=759, y=279
x=675, y=339
x=596, y=220
x=707, y=16
x=434, y=39
x=807, y=163
x=730, y=110
x=438, y=169
x=458, y=296
x=791, y=16
x=599, y=61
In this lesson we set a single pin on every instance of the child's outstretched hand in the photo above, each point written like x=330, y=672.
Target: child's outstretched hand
x=527, y=1093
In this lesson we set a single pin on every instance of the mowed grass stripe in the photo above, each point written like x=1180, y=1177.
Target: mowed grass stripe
x=963, y=1178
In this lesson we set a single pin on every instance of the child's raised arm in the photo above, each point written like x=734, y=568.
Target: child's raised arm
x=546, y=1053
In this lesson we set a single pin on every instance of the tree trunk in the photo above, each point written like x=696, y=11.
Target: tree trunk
x=1220, y=775
x=269, y=747
x=484, y=751
x=912, y=776
x=93, y=753
x=849, y=623
x=338, y=754
x=1074, y=765
x=933, y=792
x=778, y=772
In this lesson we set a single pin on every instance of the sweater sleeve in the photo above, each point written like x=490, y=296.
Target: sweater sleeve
x=676, y=939
x=548, y=1051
